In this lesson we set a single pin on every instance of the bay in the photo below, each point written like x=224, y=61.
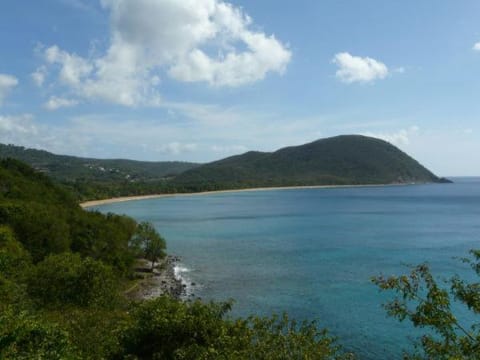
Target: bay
x=312, y=252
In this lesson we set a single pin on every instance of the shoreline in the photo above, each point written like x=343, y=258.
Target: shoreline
x=163, y=281
x=91, y=203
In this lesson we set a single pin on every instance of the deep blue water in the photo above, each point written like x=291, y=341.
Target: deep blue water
x=312, y=252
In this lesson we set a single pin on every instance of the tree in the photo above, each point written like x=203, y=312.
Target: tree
x=426, y=304
x=14, y=259
x=155, y=249
x=25, y=336
x=149, y=243
x=67, y=279
x=42, y=228
x=15, y=263
x=165, y=328
x=94, y=332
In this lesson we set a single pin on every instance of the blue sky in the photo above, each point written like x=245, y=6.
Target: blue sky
x=199, y=80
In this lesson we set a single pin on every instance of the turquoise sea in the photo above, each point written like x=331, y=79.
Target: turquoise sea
x=312, y=252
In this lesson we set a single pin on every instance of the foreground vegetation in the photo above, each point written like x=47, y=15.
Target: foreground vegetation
x=423, y=301
x=61, y=275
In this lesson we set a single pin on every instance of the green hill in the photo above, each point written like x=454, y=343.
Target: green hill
x=46, y=219
x=70, y=168
x=90, y=179
x=341, y=160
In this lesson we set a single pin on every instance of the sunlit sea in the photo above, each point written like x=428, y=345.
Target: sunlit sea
x=312, y=252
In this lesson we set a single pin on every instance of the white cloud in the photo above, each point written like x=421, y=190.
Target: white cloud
x=176, y=148
x=476, y=46
x=208, y=41
x=17, y=129
x=399, y=138
x=357, y=69
x=267, y=54
x=199, y=133
x=77, y=4
x=55, y=103
x=39, y=76
x=229, y=149
x=7, y=83
x=73, y=68
x=211, y=115
x=25, y=130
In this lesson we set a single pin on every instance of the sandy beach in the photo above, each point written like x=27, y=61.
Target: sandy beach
x=92, y=203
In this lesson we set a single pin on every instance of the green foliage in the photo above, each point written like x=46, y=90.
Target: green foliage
x=20, y=182
x=163, y=327
x=15, y=262
x=104, y=237
x=167, y=329
x=148, y=242
x=86, y=190
x=42, y=228
x=421, y=300
x=282, y=338
x=13, y=257
x=24, y=336
x=12, y=293
x=47, y=220
x=67, y=279
x=94, y=332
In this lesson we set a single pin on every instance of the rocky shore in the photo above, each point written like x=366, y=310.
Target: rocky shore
x=162, y=281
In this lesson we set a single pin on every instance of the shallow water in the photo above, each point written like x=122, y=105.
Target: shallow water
x=312, y=252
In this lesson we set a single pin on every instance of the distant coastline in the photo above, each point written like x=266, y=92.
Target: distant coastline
x=88, y=204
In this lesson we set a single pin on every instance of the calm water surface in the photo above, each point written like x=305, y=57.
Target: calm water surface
x=312, y=252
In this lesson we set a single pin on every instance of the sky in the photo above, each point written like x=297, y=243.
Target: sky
x=199, y=80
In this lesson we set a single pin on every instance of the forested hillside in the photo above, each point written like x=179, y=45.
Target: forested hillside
x=71, y=168
x=341, y=160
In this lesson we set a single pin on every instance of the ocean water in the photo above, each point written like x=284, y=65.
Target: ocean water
x=312, y=252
